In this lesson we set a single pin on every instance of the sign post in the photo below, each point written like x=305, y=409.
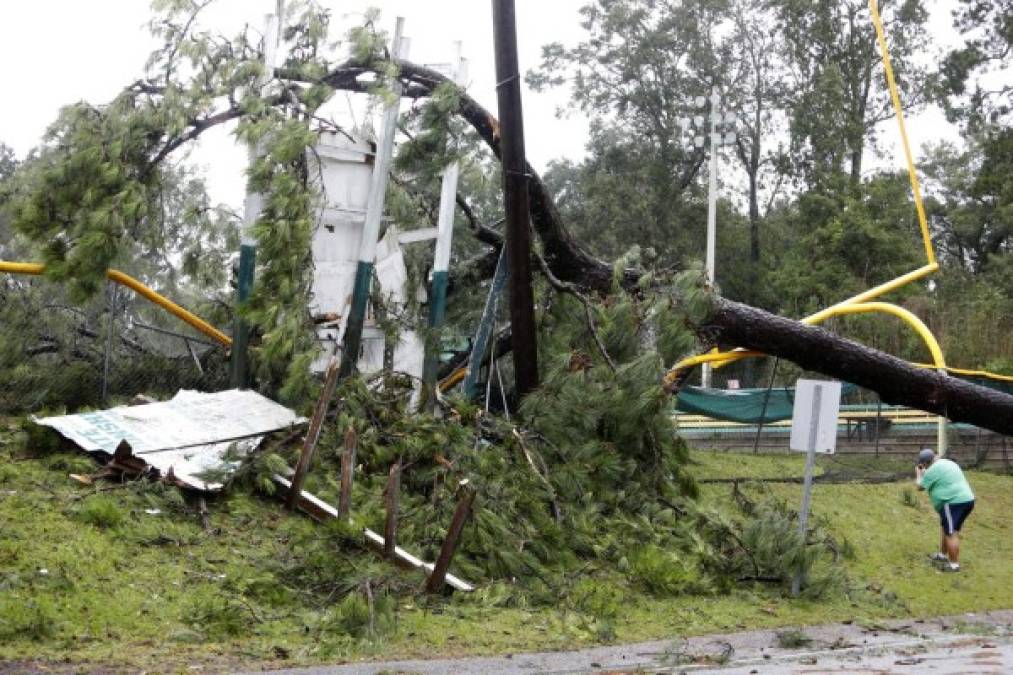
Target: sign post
x=813, y=429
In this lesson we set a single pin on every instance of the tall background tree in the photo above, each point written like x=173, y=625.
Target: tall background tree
x=757, y=90
x=8, y=165
x=806, y=84
x=840, y=92
x=634, y=76
x=972, y=88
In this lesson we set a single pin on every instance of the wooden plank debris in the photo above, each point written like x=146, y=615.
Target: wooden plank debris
x=390, y=501
x=347, y=473
x=439, y=575
x=316, y=425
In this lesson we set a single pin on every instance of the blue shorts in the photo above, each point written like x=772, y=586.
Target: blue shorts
x=952, y=516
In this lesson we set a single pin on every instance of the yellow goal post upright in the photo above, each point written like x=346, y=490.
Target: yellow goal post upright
x=861, y=303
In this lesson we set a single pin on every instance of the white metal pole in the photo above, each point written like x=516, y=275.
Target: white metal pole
x=448, y=195
x=712, y=207
x=941, y=436
x=253, y=205
x=807, y=485
x=374, y=213
x=384, y=153
x=441, y=259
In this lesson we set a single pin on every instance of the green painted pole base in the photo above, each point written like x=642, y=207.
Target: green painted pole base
x=356, y=319
x=437, y=317
x=240, y=363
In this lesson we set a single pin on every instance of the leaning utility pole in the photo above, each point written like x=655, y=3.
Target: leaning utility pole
x=515, y=197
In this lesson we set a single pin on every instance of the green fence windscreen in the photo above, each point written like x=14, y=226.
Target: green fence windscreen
x=741, y=405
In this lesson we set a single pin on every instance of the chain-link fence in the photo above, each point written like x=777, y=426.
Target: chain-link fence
x=58, y=354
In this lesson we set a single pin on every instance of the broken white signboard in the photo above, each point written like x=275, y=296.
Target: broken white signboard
x=189, y=435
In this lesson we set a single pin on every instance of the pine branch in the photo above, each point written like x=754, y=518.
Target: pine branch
x=565, y=287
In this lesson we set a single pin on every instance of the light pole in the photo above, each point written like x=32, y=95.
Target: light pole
x=716, y=120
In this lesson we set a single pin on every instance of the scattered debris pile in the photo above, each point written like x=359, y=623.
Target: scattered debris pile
x=573, y=500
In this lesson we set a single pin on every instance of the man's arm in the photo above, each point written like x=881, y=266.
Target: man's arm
x=919, y=476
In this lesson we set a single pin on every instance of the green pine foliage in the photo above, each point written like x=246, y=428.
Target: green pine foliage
x=586, y=487
x=101, y=511
x=284, y=232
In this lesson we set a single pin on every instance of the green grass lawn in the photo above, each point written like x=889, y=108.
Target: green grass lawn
x=126, y=575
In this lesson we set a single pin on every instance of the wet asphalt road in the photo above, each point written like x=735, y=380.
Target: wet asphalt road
x=981, y=643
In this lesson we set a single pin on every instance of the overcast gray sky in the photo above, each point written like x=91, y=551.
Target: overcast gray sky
x=59, y=51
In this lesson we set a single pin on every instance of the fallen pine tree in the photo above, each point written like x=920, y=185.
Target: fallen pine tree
x=816, y=349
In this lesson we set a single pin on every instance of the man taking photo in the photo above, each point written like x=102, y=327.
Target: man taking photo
x=951, y=496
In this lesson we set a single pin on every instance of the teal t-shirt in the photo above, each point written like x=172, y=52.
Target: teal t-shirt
x=945, y=483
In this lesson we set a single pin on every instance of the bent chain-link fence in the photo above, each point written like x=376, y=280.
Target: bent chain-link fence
x=56, y=354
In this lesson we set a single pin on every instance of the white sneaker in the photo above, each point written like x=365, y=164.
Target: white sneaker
x=939, y=557
x=951, y=567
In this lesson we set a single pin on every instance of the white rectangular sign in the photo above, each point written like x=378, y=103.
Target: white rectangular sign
x=817, y=403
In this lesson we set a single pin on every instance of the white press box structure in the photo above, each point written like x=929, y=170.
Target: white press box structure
x=340, y=167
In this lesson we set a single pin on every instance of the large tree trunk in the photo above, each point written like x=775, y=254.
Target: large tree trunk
x=566, y=257
x=895, y=380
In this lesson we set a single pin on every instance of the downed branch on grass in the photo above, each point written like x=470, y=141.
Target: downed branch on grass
x=541, y=473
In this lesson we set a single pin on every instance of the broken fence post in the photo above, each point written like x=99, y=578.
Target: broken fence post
x=313, y=434
x=390, y=500
x=347, y=470
x=321, y=511
x=439, y=575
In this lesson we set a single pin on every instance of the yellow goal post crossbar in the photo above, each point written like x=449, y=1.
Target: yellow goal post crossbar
x=133, y=284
